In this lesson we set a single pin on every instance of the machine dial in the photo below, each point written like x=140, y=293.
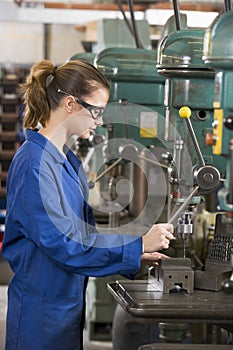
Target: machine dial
x=228, y=122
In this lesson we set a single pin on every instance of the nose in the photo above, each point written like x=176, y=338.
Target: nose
x=99, y=122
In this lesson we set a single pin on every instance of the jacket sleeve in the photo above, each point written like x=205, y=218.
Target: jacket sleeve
x=66, y=237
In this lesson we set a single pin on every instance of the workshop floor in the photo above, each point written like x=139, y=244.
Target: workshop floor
x=89, y=345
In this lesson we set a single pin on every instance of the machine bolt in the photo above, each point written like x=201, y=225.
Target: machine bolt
x=208, y=178
x=178, y=144
x=186, y=59
x=215, y=124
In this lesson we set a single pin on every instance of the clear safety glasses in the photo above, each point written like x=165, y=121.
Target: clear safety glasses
x=95, y=111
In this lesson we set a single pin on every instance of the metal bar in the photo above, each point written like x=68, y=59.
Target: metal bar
x=108, y=169
x=195, y=142
x=152, y=161
x=183, y=206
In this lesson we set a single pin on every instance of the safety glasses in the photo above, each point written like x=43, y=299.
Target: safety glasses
x=95, y=111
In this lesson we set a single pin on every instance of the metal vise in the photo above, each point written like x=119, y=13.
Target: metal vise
x=175, y=275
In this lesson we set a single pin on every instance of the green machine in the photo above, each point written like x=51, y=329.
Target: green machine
x=200, y=123
x=134, y=118
x=218, y=55
x=84, y=56
x=135, y=87
x=195, y=169
x=189, y=91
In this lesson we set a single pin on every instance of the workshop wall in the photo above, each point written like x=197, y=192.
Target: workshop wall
x=23, y=42
x=65, y=42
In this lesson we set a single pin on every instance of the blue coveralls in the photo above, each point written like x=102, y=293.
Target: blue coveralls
x=52, y=246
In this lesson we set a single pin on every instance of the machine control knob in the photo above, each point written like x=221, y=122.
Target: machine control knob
x=185, y=112
x=166, y=157
x=207, y=178
x=228, y=122
x=209, y=139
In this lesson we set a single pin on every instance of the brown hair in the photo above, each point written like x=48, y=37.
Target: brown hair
x=39, y=91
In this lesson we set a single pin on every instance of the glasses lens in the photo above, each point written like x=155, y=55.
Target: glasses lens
x=97, y=112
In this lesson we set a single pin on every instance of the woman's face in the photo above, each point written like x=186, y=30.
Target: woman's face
x=82, y=123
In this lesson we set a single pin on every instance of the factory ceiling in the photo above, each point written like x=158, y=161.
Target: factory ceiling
x=80, y=12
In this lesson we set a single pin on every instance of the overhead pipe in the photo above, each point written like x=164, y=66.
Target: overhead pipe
x=227, y=5
x=129, y=26
x=177, y=14
x=134, y=26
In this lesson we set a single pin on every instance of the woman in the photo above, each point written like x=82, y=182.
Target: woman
x=50, y=240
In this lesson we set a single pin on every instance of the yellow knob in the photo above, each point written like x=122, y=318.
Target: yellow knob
x=185, y=112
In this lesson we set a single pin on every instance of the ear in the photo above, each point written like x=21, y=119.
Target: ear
x=70, y=104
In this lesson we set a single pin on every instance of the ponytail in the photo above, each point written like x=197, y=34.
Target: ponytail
x=34, y=95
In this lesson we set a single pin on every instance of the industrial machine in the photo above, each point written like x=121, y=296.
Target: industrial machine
x=134, y=123
x=199, y=124
x=190, y=83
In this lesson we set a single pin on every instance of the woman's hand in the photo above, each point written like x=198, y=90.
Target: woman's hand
x=152, y=259
x=157, y=238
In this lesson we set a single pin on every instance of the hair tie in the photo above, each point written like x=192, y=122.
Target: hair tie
x=54, y=70
x=50, y=77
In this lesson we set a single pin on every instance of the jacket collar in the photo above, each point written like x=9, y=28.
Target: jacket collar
x=72, y=164
x=48, y=146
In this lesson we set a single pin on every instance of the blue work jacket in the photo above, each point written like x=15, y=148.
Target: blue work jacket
x=52, y=246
